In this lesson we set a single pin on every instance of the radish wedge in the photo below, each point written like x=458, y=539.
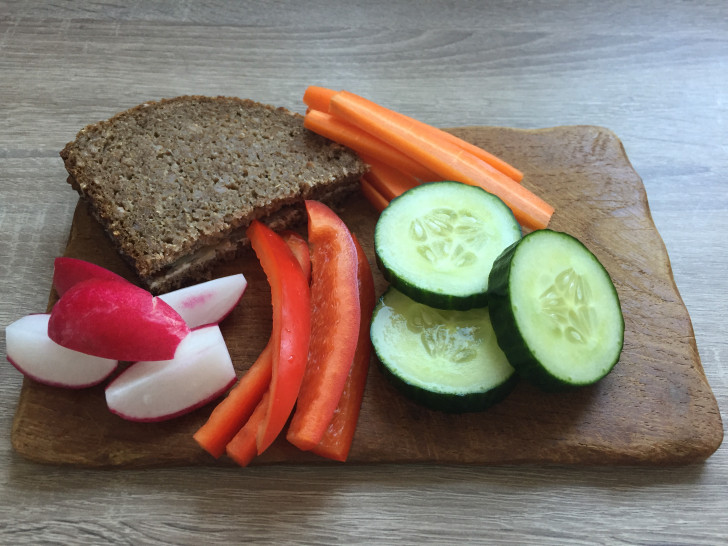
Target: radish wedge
x=33, y=353
x=68, y=272
x=208, y=302
x=200, y=371
x=111, y=319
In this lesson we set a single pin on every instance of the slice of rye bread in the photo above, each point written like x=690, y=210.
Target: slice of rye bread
x=174, y=183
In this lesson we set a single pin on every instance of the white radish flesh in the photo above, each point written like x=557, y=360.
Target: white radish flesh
x=208, y=302
x=34, y=354
x=200, y=371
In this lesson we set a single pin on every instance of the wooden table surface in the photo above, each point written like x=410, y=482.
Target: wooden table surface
x=655, y=73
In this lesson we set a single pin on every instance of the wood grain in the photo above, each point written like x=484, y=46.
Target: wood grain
x=656, y=407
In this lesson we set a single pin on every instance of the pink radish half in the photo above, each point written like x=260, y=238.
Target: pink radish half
x=33, y=353
x=200, y=371
x=68, y=272
x=111, y=319
x=208, y=302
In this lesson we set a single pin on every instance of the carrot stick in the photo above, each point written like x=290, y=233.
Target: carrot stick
x=236, y=408
x=318, y=98
x=339, y=435
x=334, y=129
x=494, y=161
x=443, y=157
x=243, y=448
x=478, y=152
x=377, y=200
x=388, y=181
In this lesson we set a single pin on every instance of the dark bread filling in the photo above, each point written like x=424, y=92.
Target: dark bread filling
x=174, y=183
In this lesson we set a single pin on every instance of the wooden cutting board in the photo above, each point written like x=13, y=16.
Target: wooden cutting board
x=656, y=407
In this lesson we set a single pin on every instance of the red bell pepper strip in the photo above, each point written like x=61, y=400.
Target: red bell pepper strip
x=340, y=433
x=291, y=331
x=335, y=318
x=243, y=447
x=231, y=414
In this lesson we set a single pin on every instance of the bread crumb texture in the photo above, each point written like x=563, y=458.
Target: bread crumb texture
x=166, y=178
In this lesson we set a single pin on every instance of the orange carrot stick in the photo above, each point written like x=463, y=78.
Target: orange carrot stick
x=318, y=98
x=494, y=161
x=242, y=448
x=388, y=181
x=340, y=434
x=478, y=152
x=444, y=158
x=334, y=129
x=236, y=408
x=376, y=199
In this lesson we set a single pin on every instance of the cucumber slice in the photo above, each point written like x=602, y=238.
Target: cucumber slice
x=445, y=360
x=437, y=243
x=555, y=311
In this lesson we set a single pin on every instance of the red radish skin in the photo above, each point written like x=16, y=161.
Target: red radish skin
x=115, y=320
x=150, y=391
x=200, y=304
x=208, y=302
x=67, y=272
x=33, y=353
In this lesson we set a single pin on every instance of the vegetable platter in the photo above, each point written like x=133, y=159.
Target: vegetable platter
x=654, y=408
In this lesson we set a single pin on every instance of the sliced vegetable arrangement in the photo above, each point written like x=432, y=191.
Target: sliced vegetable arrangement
x=437, y=241
x=325, y=281
x=472, y=304
x=542, y=306
x=101, y=319
x=326, y=378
